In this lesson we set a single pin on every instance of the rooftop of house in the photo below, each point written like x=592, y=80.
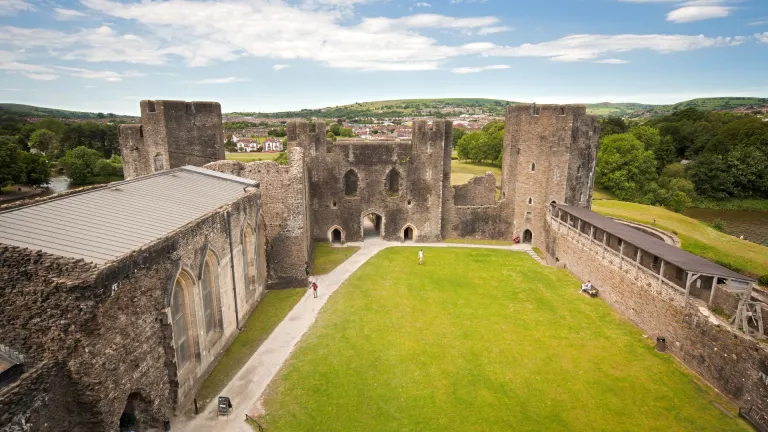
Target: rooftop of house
x=104, y=224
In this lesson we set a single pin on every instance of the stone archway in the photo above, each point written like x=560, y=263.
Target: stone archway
x=408, y=234
x=372, y=224
x=137, y=415
x=336, y=235
x=527, y=236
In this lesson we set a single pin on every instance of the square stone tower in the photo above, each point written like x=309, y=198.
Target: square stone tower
x=171, y=134
x=550, y=154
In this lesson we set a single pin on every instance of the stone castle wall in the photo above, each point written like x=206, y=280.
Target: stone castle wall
x=419, y=165
x=732, y=362
x=284, y=203
x=172, y=134
x=110, y=326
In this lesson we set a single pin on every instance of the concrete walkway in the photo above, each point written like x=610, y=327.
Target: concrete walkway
x=247, y=387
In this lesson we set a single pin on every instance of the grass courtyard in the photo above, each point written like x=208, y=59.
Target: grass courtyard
x=480, y=340
x=326, y=257
x=251, y=157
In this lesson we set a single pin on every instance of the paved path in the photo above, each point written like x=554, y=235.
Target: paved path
x=247, y=386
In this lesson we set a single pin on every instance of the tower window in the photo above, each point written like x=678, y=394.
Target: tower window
x=393, y=182
x=151, y=106
x=351, y=181
x=530, y=200
x=334, y=205
x=533, y=166
x=562, y=111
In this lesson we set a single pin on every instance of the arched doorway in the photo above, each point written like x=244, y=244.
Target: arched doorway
x=137, y=415
x=336, y=236
x=408, y=234
x=527, y=236
x=372, y=225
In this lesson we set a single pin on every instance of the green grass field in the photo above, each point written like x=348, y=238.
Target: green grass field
x=480, y=340
x=268, y=314
x=327, y=258
x=462, y=171
x=251, y=157
x=696, y=237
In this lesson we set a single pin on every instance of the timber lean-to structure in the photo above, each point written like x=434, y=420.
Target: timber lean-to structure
x=151, y=277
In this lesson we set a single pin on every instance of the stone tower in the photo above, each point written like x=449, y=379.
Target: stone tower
x=171, y=134
x=550, y=152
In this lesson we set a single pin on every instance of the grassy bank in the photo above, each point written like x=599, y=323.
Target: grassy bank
x=480, y=340
x=327, y=258
x=462, y=171
x=268, y=314
x=696, y=237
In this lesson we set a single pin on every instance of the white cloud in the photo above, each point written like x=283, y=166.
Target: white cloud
x=9, y=64
x=612, y=61
x=589, y=47
x=105, y=75
x=698, y=13
x=67, y=14
x=42, y=77
x=469, y=70
x=279, y=67
x=11, y=7
x=758, y=21
x=490, y=30
x=762, y=38
x=423, y=5
x=226, y=80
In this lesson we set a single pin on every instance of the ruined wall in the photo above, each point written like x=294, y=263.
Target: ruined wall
x=549, y=155
x=419, y=164
x=472, y=211
x=111, y=327
x=44, y=400
x=733, y=363
x=284, y=201
x=172, y=134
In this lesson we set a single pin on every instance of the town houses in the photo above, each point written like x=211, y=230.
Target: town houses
x=258, y=144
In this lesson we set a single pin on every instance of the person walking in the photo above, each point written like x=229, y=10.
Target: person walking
x=421, y=256
x=314, y=289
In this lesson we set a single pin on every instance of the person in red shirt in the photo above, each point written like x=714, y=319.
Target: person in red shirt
x=314, y=288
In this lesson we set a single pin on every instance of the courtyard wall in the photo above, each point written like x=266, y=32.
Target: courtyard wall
x=733, y=363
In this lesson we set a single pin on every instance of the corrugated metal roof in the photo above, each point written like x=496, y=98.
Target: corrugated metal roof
x=685, y=260
x=104, y=224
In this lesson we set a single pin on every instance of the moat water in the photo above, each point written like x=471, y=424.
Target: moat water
x=751, y=224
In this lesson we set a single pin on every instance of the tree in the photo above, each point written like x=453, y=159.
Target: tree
x=10, y=166
x=624, y=166
x=35, y=169
x=81, y=164
x=493, y=127
x=613, y=126
x=44, y=141
x=457, y=134
x=230, y=145
x=467, y=146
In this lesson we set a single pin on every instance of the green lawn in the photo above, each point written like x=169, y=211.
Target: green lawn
x=696, y=237
x=327, y=258
x=480, y=340
x=479, y=241
x=251, y=157
x=268, y=314
x=462, y=171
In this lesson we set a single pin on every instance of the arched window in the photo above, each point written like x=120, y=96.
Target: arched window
x=180, y=315
x=249, y=249
x=533, y=166
x=211, y=294
x=530, y=200
x=350, y=183
x=393, y=182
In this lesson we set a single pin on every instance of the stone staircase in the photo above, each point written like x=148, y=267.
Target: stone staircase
x=535, y=256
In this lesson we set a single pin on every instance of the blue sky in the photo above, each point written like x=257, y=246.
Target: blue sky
x=270, y=55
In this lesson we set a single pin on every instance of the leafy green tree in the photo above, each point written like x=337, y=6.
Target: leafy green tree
x=711, y=177
x=44, y=141
x=81, y=164
x=613, y=126
x=624, y=167
x=467, y=146
x=54, y=125
x=494, y=127
x=10, y=166
x=230, y=145
x=457, y=134
x=35, y=169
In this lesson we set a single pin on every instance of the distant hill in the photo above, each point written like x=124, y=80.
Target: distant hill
x=33, y=111
x=493, y=107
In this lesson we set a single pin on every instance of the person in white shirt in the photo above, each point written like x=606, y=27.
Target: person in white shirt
x=421, y=256
x=586, y=287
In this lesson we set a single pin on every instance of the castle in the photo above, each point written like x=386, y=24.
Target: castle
x=153, y=276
